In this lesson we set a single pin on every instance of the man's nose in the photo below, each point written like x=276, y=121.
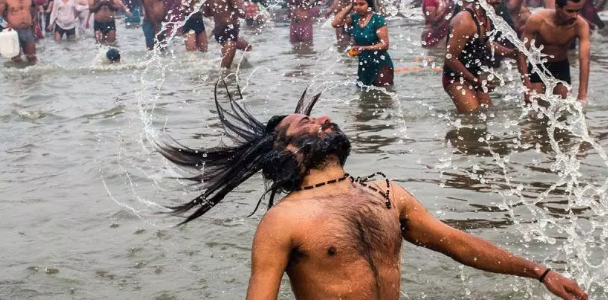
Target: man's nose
x=323, y=119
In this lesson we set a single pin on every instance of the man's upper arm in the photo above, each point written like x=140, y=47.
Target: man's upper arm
x=272, y=246
x=531, y=28
x=584, y=42
x=421, y=228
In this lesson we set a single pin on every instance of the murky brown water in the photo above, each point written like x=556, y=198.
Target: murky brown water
x=81, y=186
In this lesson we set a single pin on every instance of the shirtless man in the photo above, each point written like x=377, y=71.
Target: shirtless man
x=555, y=29
x=226, y=14
x=301, y=14
x=344, y=33
x=336, y=237
x=18, y=14
x=104, y=23
x=154, y=14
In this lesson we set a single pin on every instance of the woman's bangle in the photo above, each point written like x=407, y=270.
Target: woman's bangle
x=542, y=277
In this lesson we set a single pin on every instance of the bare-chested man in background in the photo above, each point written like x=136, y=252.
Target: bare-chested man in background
x=301, y=14
x=18, y=14
x=226, y=14
x=555, y=29
x=104, y=23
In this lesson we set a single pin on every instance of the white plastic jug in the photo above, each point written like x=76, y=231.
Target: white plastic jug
x=9, y=43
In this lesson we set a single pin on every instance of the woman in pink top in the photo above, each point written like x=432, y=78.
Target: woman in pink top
x=64, y=18
x=437, y=23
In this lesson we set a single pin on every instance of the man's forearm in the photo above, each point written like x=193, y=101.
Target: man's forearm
x=583, y=80
x=483, y=255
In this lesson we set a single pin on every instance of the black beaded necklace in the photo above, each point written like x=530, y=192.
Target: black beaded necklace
x=360, y=180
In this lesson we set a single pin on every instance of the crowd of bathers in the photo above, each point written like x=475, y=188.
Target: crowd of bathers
x=465, y=30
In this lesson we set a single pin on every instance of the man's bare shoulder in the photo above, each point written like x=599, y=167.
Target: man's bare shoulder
x=541, y=15
x=582, y=26
x=399, y=196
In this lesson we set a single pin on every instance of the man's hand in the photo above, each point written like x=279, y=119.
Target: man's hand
x=563, y=287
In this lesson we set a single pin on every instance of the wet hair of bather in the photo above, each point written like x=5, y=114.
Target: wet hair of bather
x=255, y=147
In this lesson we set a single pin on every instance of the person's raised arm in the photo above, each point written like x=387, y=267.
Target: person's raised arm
x=118, y=4
x=423, y=229
x=584, y=54
x=272, y=245
x=463, y=29
x=343, y=17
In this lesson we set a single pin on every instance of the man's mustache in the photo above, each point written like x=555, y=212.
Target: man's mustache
x=328, y=125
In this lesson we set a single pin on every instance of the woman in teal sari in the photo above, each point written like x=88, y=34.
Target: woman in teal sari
x=371, y=39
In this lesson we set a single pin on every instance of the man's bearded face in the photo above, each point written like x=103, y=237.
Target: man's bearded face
x=313, y=141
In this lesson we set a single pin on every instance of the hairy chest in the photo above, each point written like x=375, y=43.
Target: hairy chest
x=361, y=228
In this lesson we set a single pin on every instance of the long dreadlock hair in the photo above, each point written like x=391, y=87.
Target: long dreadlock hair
x=223, y=168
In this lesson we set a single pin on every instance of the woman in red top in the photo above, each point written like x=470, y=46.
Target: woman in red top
x=437, y=24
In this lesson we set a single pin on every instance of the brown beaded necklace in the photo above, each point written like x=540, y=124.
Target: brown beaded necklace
x=360, y=180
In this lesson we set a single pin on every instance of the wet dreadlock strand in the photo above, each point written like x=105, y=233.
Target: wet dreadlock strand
x=223, y=168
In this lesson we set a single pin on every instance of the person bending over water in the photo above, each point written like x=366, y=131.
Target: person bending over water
x=336, y=237
x=371, y=42
x=226, y=14
x=18, y=16
x=468, y=50
x=64, y=18
x=437, y=24
x=555, y=29
x=104, y=23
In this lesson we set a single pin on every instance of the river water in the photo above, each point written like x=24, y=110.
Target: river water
x=81, y=187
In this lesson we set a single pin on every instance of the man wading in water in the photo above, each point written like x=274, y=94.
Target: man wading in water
x=104, y=23
x=18, y=15
x=226, y=14
x=336, y=237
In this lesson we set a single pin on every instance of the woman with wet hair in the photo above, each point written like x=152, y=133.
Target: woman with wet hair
x=370, y=34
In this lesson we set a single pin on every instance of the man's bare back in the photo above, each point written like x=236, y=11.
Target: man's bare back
x=18, y=13
x=345, y=245
x=556, y=39
x=224, y=12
